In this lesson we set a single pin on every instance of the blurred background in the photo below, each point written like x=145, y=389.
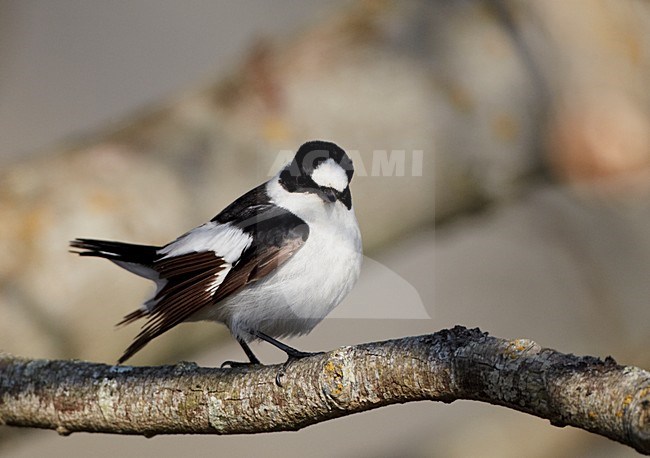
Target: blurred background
x=502, y=151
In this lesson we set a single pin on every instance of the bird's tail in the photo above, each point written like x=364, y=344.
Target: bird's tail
x=138, y=259
x=119, y=252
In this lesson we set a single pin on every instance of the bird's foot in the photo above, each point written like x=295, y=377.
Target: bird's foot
x=234, y=364
x=292, y=356
x=297, y=354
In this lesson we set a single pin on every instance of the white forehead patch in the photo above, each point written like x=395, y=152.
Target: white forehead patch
x=330, y=174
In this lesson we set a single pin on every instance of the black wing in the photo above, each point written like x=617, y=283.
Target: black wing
x=277, y=234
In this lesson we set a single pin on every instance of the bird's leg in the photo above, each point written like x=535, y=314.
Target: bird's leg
x=251, y=356
x=292, y=353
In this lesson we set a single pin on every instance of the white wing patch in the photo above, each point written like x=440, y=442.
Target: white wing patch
x=226, y=240
x=218, y=279
x=330, y=174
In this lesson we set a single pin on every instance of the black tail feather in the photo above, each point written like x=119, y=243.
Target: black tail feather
x=116, y=251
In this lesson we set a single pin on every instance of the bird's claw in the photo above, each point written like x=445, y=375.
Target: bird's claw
x=233, y=364
x=293, y=356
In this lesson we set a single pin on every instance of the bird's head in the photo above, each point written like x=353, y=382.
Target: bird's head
x=321, y=168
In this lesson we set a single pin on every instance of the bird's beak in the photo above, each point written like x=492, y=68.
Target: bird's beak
x=329, y=195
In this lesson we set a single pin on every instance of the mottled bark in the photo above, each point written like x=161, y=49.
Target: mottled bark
x=598, y=396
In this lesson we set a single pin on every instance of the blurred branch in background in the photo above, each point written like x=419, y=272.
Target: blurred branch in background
x=585, y=392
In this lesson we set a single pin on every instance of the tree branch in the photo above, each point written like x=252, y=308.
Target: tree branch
x=585, y=392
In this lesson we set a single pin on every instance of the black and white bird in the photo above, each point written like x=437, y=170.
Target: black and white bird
x=272, y=264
